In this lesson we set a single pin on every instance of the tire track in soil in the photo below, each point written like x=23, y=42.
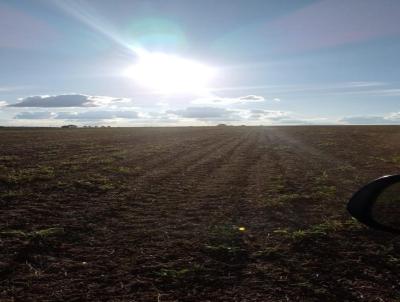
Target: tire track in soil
x=252, y=213
x=221, y=173
x=170, y=193
x=223, y=200
x=267, y=277
x=251, y=183
x=174, y=152
x=302, y=165
x=246, y=210
x=268, y=173
x=263, y=220
x=165, y=168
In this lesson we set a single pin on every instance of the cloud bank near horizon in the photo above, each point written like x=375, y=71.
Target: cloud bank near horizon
x=78, y=116
x=248, y=109
x=67, y=100
x=389, y=119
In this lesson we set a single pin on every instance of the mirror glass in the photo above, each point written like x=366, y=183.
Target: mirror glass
x=386, y=209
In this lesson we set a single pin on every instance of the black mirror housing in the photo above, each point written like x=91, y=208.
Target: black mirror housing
x=361, y=203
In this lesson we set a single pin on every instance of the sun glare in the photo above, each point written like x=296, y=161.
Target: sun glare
x=170, y=74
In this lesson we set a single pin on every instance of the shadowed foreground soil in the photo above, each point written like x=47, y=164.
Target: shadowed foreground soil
x=193, y=214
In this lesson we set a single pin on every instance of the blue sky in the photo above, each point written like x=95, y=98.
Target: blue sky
x=184, y=62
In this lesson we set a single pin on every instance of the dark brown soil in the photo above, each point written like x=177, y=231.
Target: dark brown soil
x=193, y=214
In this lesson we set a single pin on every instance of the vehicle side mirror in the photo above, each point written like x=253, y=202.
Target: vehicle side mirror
x=377, y=204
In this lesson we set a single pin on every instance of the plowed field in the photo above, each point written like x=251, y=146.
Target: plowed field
x=193, y=214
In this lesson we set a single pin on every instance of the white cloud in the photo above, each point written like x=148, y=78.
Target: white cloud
x=268, y=114
x=394, y=116
x=391, y=118
x=366, y=84
x=203, y=113
x=192, y=115
x=223, y=101
x=387, y=92
x=3, y=104
x=252, y=98
x=97, y=115
x=78, y=116
x=67, y=100
x=242, y=116
x=279, y=117
x=340, y=87
x=42, y=115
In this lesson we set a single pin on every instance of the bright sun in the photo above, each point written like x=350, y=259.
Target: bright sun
x=170, y=74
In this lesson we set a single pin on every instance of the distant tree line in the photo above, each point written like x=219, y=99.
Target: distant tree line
x=75, y=126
